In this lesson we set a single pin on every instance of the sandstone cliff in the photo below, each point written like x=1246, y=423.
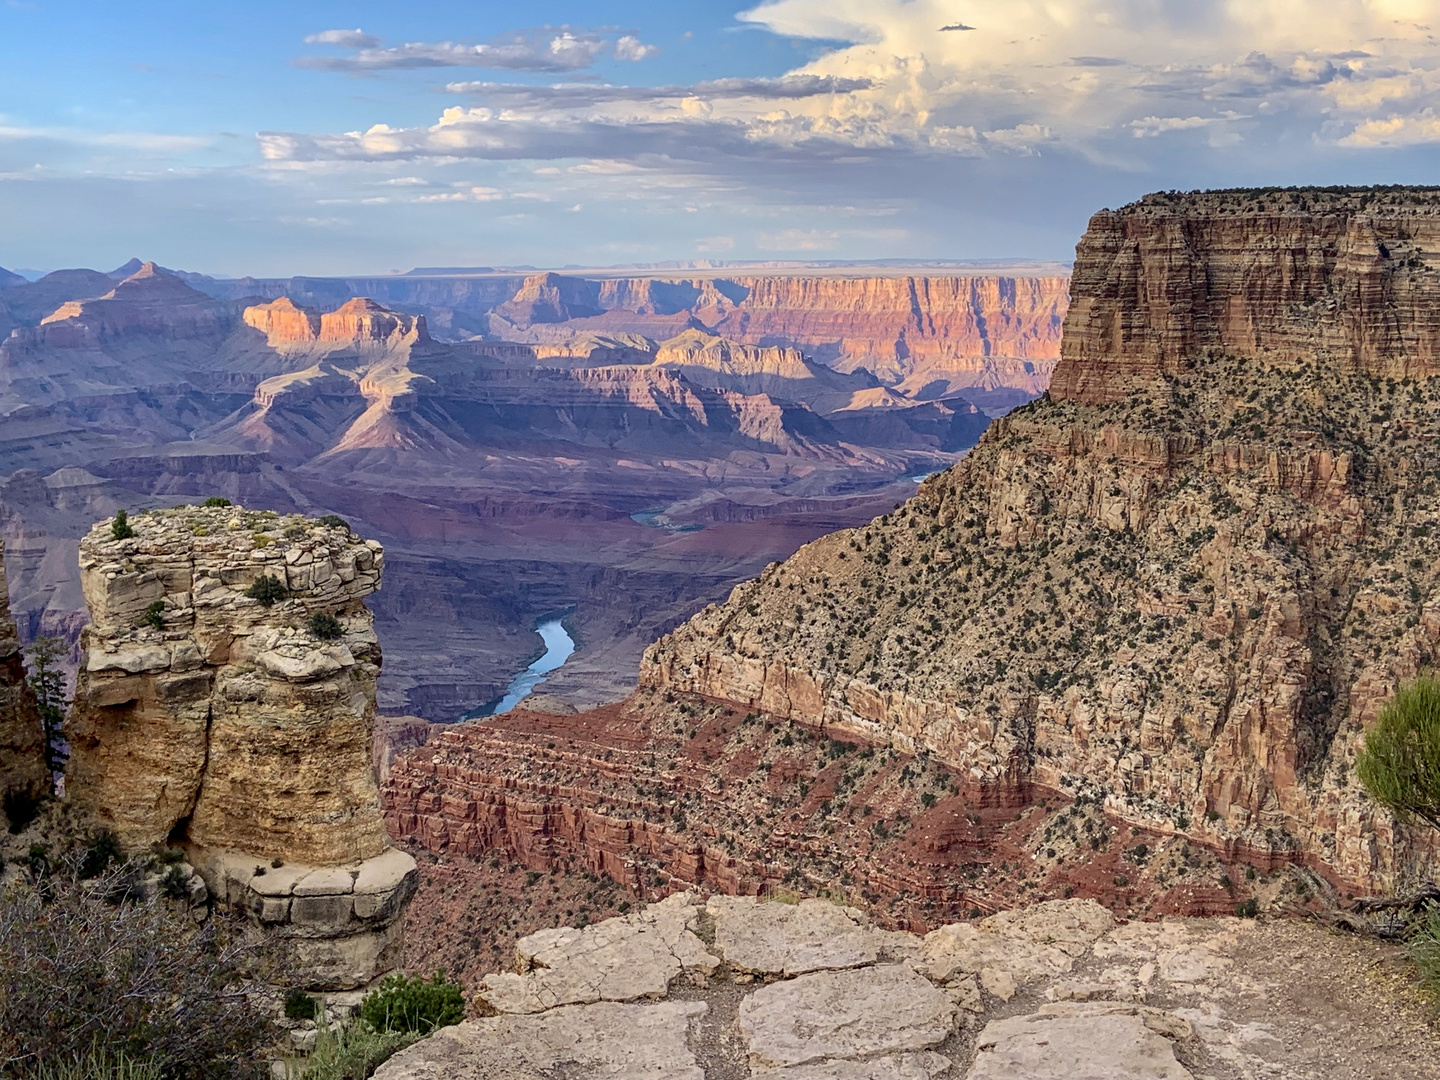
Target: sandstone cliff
x=983, y=333
x=242, y=729
x=23, y=773
x=1184, y=583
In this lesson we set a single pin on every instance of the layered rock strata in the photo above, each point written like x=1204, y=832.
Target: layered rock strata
x=24, y=776
x=1184, y=583
x=242, y=729
x=670, y=791
x=691, y=987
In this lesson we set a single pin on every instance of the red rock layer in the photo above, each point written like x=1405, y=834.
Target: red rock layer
x=662, y=792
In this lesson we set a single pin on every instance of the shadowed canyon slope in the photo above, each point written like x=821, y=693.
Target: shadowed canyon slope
x=501, y=474
x=1162, y=603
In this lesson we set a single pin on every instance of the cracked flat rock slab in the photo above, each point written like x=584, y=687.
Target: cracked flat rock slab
x=1092, y=1041
x=1016, y=947
x=890, y=1067
x=605, y=1041
x=622, y=959
x=770, y=938
x=857, y=1013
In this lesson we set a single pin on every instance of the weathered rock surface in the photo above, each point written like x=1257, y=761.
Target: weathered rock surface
x=1180, y=587
x=862, y=1013
x=1101, y=1041
x=1250, y=1011
x=785, y=939
x=623, y=959
x=624, y=1042
x=243, y=730
x=23, y=774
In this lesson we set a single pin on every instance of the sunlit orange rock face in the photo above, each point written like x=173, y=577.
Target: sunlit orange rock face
x=1002, y=330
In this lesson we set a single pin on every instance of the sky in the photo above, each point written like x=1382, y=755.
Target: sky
x=355, y=137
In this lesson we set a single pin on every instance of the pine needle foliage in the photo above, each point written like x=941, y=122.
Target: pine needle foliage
x=1400, y=763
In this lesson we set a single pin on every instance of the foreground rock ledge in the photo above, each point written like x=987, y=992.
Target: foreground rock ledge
x=735, y=986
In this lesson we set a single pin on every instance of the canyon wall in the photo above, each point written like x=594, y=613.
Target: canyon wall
x=1345, y=280
x=1002, y=331
x=24, y=777
x=979, y=330
x=1182, y=584
x=239, y=726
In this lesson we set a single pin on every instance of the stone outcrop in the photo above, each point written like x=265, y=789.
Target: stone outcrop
x=360, y=322
x=1344, y=279
x=1183, y=584
x=1063, y=992
x=242, y=729
x=23, y=773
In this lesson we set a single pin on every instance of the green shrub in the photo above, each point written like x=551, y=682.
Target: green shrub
x=175, y=883
x=300, y=1006
x=1424, y=950
x=1400, y=764
x=335, y=521
x=155, y=615
x=101, y=850
x=267, y=590
x=1248, y=909
x=405, y=1004
x=325, y=627
x=353, y=1052
x=120, y=528
x=216, y=500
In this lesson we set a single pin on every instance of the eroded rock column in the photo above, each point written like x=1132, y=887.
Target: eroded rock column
x=23, y=776
x=237, y=721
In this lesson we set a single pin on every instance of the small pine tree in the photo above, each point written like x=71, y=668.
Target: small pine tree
x=120, y=528
x=1400, y=764
x=267, y=590
x=47, y=681
x=325, y=627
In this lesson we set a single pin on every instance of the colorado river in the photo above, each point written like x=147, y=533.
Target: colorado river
x=558, y=648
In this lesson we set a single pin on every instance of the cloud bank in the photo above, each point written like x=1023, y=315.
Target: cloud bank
x=544, y=50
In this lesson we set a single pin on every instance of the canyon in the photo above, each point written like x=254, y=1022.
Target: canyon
x=1126, y=649
x=504, y=476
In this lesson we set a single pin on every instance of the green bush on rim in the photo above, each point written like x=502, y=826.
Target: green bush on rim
x=1400, y=764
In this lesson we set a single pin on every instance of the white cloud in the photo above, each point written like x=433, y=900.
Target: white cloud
x=1148, y=127
x=474, y=194
x=630, y=48
x=345, y=39
x=545, y=50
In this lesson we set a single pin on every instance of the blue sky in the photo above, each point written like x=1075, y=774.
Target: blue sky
x=217, y=138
